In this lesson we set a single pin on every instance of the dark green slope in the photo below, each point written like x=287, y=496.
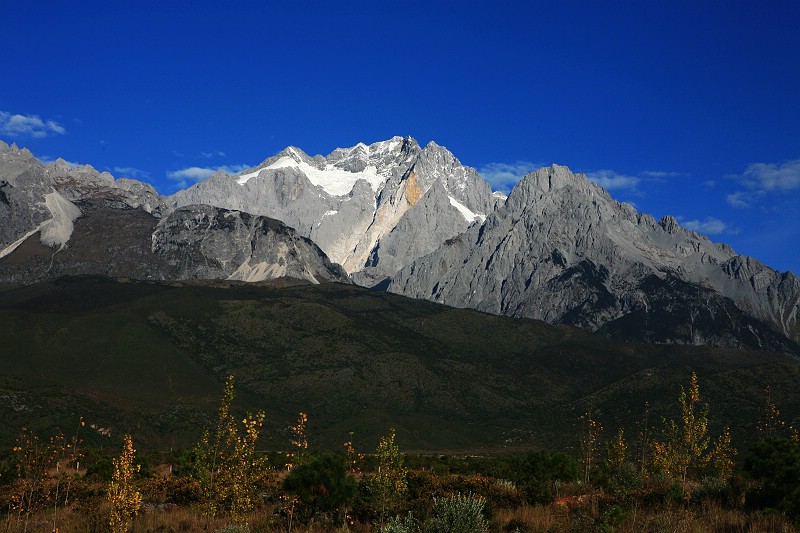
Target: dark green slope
x=150, y=359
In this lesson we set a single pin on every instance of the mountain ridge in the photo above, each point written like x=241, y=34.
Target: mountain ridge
x=558, y=248
x=554, y=220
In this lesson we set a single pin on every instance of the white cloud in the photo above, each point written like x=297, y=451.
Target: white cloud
x=130, y=172
x=764, y=180
x=773, y=177
x=738, y=199
x=709, y=226
x=48, y=160
x=188, y=175
x=215, y=153
x=503, y=176
x=660, y=174
x=28, y=126
x=611, y=180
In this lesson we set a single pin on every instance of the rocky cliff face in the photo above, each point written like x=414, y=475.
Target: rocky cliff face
x=23, y=187
x=212, y=243
x=64, y=220
x=562, y=250
x=351, y=200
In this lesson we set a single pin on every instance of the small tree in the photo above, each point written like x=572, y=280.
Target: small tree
x=590, y=444
x=685, y=444
x=299, y=442
x=226, y=465
x=123, y=498
x=617, y=450
x=34, y=460
x=353, y=457
x=390, y=482
x=769, y=423
x=722, y=455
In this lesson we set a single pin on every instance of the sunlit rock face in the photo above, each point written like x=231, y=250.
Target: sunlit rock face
x=373, y=209
x=562, y=250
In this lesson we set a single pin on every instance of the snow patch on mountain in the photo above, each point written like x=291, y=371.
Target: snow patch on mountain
x=333, y=180
x=469, y=215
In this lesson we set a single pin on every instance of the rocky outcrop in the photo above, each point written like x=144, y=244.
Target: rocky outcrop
x=562, y=250
x=212, y=243
x=65, y=220
x=38, y=198
x=23, y=186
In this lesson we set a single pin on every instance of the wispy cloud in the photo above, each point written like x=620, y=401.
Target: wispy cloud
x=708, y=226
x=189, y=175
x=761, y=180
x=503, y=176
x=130, y=172
x=28, y=126
x=48, y=159
x=739, y=200
x=783, y=176
x=212, y=154
x=611, y=180
x=660, y=174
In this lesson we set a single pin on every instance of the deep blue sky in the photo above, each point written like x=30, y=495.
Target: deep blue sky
x=683, y=108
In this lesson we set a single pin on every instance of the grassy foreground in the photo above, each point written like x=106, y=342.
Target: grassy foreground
x=673, y=476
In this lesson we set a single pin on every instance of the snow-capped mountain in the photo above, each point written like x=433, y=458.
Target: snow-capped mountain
x=373, y=209
x=559, y=248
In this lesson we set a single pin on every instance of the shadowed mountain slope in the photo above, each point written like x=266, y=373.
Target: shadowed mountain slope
x=150, y=358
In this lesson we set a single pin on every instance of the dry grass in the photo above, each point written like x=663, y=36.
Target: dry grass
x=168, y=518
x=708, y=518
x=92, y=516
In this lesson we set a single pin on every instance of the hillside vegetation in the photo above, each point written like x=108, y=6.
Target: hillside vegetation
x=149, y=359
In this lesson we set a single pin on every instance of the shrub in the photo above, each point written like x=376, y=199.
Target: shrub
x=774, y=463
x=99, y=467
x=458, y=514
x=713, y=488
x=537, y=472
x=611, y=518
x=234, y=528
x=322, y=483
x=405, y=524
x=625, y=482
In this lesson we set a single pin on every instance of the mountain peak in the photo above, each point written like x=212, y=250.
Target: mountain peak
x=559, y=249
x=544, y=180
